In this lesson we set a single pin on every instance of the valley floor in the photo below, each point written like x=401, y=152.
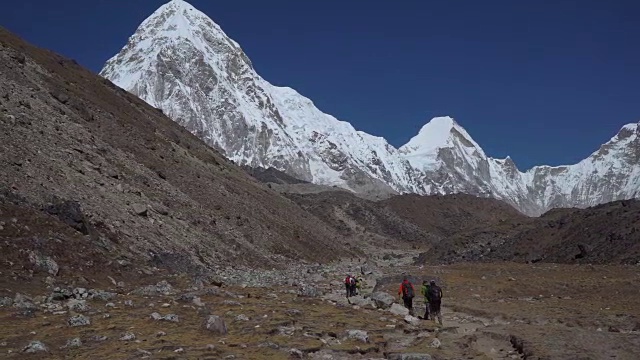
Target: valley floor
x=491, y=311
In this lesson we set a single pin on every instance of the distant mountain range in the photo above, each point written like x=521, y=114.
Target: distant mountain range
x=180, y=61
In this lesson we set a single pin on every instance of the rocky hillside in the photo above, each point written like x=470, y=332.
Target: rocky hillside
x=182, y=62
x=272, y=176
x=452, y=214
x=133, y=184
x=608, y=233
x=354, y=217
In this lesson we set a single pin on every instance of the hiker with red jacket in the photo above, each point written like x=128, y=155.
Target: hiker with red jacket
x=347, y=285
x=407, y=292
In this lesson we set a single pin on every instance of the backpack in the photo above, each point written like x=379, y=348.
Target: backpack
x=352, y=281
x=408, y=290
x=347, y=280
x=435, y=294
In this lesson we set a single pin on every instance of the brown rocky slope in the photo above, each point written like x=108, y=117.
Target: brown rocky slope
x=358, y=218
x=604, y=234
x=129, y=179
x=446, y=215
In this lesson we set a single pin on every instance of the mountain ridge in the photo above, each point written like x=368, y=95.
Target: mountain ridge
x=180, y=61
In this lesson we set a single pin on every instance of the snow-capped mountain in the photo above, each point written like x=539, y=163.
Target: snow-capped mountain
x=180, y=61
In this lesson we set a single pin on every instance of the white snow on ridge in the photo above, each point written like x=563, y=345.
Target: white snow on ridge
x=440, y=132
x=179, y=60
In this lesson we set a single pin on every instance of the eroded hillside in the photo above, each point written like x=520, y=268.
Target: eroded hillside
x=138, y=181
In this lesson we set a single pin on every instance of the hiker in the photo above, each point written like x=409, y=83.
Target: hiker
x=352, y=286
x=406, y=291
x=347, y=284
x=359, y=284
x=425, y=292
x=435, y=300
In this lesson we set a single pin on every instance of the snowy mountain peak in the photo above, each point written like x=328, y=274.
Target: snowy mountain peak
x=439, y=133
x=175, y=27
x=179, y=19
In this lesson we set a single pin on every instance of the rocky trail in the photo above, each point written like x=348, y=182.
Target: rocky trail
x=299, y=312
x=302, y=312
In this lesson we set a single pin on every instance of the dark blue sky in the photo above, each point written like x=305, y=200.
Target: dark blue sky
x=543, y=81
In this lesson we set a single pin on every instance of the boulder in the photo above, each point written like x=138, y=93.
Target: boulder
x=412, y=320
x=105, y=295
x=59, y=294
x=309, y=291
x=360, y=301
x=161, y=288
x=197, y=302
x=79, y=320
x=169, y=317
x=6, y=301
x=215, y=324
x=35, y=346
x=22, y=302
x=242, y=317
x=44, y=263
x=296, y=354
x=359, y=335
x=78, y=305
x=74, y=343
x=398, y=309
x=80, y=293
x=140, y=209
x=71, y=214
x=382, y=300
x=99, y=338
x=60, y=96
x=286, y=330
x=128, y=336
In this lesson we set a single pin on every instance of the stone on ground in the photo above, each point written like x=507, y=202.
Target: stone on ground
x=359, y=335
x=215, y=324
x=79, y=320
x=399, y=310
x=382, y=300
x=35, y=346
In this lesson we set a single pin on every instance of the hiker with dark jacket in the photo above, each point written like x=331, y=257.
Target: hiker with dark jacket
x=435, y=300
x=352, y=285
x=407, y=291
